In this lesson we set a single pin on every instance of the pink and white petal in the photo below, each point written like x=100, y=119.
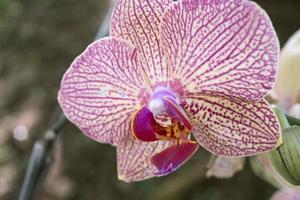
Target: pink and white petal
x=134, y=159
x=287, y=194
x=228, y=47
x=138, y=21
x=232, y=127
x=100, y=91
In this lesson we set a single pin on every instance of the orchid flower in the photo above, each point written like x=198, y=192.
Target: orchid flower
x=170, y=70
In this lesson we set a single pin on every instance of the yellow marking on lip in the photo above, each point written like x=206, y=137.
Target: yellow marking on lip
x=176, y=132
x=173, y=132
x=162, y=137
x=132, y=126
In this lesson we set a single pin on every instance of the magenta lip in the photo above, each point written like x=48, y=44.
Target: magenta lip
x=144, y=125
x=173, y=157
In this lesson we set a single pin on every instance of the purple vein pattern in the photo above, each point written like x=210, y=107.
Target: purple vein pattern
x=134, y=158
x=99, y=92
x=231, y=127
x=222, y=46
x=139, y=22
x=216, y=58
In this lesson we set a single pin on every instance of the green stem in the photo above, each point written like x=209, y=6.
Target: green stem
x=41, y=155
x=40, y=159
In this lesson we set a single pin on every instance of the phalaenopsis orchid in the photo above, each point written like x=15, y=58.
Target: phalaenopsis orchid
x=173, y=75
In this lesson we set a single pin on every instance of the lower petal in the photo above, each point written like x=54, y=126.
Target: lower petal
x=133, y=157
x=173, y=157
x=232, y=127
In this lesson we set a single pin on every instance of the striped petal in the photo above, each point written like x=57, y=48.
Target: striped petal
x=138, y=21
x=231, y=127
x=101, y=90
x=134, y=159
x=225, y=46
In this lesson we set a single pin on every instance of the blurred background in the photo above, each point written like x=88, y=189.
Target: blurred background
x=38, y=41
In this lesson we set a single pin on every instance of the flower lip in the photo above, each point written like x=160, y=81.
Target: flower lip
x=173, y=157
x=146, y=127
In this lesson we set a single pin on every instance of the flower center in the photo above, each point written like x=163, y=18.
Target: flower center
x=162, y=118
x=148, y=124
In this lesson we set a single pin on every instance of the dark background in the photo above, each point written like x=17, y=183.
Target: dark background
x=38, y=41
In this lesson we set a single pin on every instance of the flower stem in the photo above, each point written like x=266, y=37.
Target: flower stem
x=40, y=158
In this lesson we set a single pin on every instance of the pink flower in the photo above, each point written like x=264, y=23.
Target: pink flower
x=173, y=69
x=287, y=194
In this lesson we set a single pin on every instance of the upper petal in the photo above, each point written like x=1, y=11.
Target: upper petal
x=134, y=158
x=138, y=21
x=225, y=46
x=231, y=127
x=100, y=90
